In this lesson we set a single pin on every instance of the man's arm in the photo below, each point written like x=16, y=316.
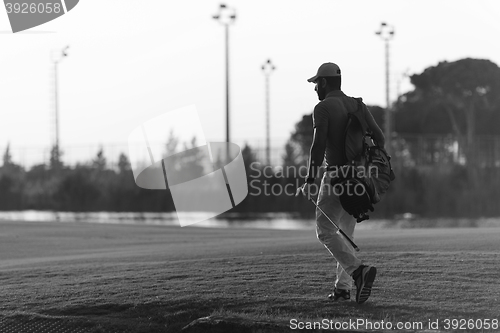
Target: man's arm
x=378, y=135
x=320, y=134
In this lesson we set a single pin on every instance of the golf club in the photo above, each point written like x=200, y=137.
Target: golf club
x=339, y=231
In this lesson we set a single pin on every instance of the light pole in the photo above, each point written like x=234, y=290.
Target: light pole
x=386, y=32
x=226, y=16
x=268, y=68
x=56, y=61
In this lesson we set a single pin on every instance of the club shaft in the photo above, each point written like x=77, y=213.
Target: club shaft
x=356, y=248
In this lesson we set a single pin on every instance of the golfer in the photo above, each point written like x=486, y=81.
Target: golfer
x=329, y=123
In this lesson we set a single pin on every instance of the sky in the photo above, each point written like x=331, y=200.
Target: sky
x=130, y=61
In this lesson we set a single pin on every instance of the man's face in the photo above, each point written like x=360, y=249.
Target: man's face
x=319, y=87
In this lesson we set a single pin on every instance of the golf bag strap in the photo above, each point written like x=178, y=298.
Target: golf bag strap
x=358, y=113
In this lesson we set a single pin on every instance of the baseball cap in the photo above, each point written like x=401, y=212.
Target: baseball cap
x=325, y=70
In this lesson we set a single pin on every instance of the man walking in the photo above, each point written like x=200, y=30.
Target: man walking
x=329, y=123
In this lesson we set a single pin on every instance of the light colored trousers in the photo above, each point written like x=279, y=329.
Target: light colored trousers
x=341, y=250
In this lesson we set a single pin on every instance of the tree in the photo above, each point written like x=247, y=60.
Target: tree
x=460, y=98
x=7, y=157
x=193, y=159
x=171, y=145
x=99, y=162
x=291, y=157
x=170, y=158
x=12, y=181
x=185, y=165
x=249, y=157
x=9, y=168
x=300, y=142
x=123, y=164
x=378, y=114
x=77, y=191
x=55, y=158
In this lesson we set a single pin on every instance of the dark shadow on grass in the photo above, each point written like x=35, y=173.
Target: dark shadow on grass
x=381, y=312
x=151, y=317
x=163, y=316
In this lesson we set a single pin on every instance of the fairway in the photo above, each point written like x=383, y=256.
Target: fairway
x=133, y=278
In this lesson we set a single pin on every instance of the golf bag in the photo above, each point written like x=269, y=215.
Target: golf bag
x=369, y=171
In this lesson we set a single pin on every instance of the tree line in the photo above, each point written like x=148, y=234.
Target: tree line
x=460, y=100
x=85, y=187
x=444, y=191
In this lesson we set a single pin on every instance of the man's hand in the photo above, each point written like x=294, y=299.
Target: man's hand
x=308, y=190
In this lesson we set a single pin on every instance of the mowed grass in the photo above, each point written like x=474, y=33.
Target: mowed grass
x=130, y=278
